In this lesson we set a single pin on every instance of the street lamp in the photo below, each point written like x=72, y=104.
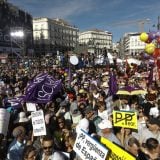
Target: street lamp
x=18, y=34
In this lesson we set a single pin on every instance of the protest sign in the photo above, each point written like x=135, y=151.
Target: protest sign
x=31, y=107
x=39, y=127
x=4, y=121
x=88, y=148
x=116, y=151
x=125, y=119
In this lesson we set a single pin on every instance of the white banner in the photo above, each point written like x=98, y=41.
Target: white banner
x=4, y=121
x=38, y=123
x=88, y=148
x=31, y=107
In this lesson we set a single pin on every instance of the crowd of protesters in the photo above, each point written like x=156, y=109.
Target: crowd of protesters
x=84, y=102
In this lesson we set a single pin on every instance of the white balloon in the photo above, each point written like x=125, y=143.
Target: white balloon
x=73, y=60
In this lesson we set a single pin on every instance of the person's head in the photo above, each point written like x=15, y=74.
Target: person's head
x=128, y=131
x=101, y=97
x=69, y=141
x=19, y=133
x=29, y=153
x=88, y=111
x=152, y=145
x=61, y=122
x=133, y=146
x=78, y=97
x=153, y=124
x=71, y=97
x=83, y=124
x=140, y=112
x=101, y=106
x=105, y=126
x=82, y=105
x=47, y=145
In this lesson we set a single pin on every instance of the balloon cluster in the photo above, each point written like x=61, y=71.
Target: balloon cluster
x=150, y=39
x=64, y=72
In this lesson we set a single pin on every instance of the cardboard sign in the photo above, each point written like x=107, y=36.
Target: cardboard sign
x=116, y=151
x=87, y=148
x=4, y=121
x=38, y=123
x=125, y=119
x=31, y=107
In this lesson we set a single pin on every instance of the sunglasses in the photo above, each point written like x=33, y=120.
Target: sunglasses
x=60, y=122
x=49, y=147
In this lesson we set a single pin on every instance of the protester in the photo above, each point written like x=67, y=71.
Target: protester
x=29, y=153
x=133, y=147
x=48, y=152
x=16, y=148
x=152, y=149
x=81, y=101
x=151, y=132
x=107, y=132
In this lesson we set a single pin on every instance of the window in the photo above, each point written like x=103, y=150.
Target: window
x=42, y=26
x=36, y=27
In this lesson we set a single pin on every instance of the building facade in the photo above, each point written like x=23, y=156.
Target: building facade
x=132, y=44
x=13, y=19
x=96, y=40
x=52, y=36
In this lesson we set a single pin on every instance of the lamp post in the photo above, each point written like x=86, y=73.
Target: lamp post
x=11, y=47
x=16, y=34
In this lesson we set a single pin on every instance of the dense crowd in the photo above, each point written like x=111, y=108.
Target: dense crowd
x=85, y=101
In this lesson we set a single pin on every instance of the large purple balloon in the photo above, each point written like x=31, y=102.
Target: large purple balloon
x=152, y=35
x=146, y=56
x=158, y=34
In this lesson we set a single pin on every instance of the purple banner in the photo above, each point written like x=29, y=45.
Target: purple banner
x=16, y=101
x=113, y=87
x=42, y=89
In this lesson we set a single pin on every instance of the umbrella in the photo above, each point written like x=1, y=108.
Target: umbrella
x=129, y=90
x=134, y=61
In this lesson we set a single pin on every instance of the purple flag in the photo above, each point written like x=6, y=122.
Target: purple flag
x=42, y=89
x=16, y=101
x=112, y=84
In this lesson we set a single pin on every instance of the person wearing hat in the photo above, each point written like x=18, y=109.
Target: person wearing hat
x=83, y=124
x=64, y=111
x=75, y=113
x=105, y=127
x=86, y=123
x=153, y=131
x=155, y=110
x=16, y=147
x=21, y=118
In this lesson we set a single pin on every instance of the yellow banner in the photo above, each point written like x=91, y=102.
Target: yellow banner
x=125, y=119
x=117, y=153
